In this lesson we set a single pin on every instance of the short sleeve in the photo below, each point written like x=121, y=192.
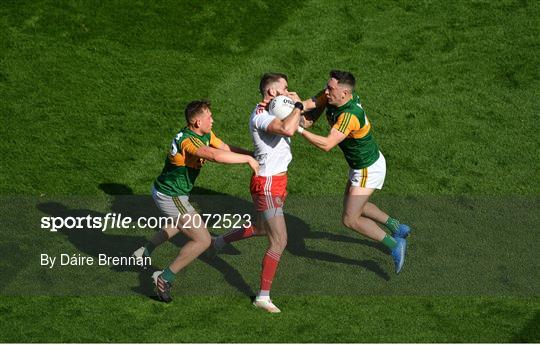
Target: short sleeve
x=346, y=123
x=190, y=145
x=262, y=121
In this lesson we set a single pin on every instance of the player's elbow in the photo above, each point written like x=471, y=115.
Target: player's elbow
x=218, y=157
x=326, y=148
x=288, y=132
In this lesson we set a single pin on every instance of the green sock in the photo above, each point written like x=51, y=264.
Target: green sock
x=149, y=248
x=389, y=241
x=392, y=224
x=168, y=275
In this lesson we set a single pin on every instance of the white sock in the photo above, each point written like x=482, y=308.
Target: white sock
x=263, y=295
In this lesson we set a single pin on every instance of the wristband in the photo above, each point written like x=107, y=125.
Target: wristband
x=299, y=105
x=300, y=129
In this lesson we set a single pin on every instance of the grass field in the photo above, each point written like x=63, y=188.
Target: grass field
x=92, y=92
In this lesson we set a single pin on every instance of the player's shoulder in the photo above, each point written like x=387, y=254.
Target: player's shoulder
x=259, y=113
x=186, y=134
x=182, y=135
x=354, y=107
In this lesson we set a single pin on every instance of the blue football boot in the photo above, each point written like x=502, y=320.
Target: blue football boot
x=398, y=253
x=402, y=231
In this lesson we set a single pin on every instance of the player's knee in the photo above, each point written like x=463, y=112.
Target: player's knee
x=278, y=243
x=205, y=240
x=282, y=243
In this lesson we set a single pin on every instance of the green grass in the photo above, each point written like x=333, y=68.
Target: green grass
x=92, y=93
x=227, y=319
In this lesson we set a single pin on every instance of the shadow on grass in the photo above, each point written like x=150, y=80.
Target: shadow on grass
x=94, y=242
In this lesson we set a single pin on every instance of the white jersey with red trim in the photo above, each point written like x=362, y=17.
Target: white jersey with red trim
x=272, y=151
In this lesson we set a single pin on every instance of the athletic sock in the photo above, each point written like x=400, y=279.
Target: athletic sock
x=168, y=275
x=269, y=268
x=238, y=234
x=263, y=295
x=392, y=224
x=389, y=241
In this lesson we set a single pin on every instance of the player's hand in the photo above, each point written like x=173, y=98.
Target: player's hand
x=294, y=96
x=305, y=122
x=254, y=165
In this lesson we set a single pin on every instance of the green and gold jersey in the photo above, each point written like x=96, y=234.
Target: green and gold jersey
x=181, y=165
x=359, y=147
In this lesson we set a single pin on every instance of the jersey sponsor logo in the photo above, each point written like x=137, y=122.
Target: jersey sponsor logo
x=259, y=109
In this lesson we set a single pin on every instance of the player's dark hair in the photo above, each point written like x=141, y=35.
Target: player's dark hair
x=269, y=78
x=343, y=77
x=196, y=107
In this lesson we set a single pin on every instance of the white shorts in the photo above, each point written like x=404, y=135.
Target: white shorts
x=370, y=177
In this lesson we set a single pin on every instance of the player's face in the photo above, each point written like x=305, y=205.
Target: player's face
x=205, y=121
x=335, y=93
x=282, y=87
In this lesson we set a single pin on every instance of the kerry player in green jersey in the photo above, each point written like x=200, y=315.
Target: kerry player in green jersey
x=351, y=131
x=190, y=148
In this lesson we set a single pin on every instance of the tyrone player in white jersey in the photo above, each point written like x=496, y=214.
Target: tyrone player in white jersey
x=271, y=138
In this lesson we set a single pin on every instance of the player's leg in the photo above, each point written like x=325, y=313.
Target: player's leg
x=354, y=202
x=373, y=177
x=276, y=230
x=199, y=241
x=246, y=231
x=398, y=229
x=373, y=212
x=185, y=218
x=277, y=241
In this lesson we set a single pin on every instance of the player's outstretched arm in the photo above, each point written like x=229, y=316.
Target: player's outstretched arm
x=227, y=157
x=227, y=147
x=324, y=143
